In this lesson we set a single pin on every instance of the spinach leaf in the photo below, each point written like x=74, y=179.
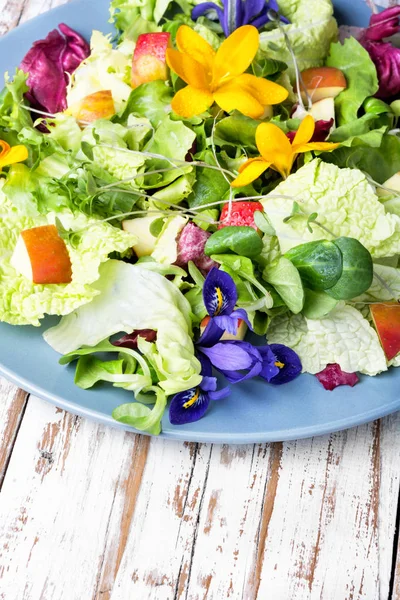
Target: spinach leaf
x=237, y=130
x=285, y=278
x=357, y=271
x=319, y=263
x=244, y=241
x=317, y=304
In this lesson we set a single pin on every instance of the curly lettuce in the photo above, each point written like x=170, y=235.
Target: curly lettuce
x=25, y=303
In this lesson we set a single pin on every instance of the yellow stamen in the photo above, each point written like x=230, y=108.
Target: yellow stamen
x=279, y=364
x=192, y=400
x=220, y=300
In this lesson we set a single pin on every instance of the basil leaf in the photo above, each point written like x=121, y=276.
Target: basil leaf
x=319, y=263
x=285, y=278
x=244, y=241
x=317, y=304
x=357, y=271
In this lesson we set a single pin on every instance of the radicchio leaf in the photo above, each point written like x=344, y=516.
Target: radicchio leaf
x=333, y=376
x=49, y=63
x=130, y=340
x=321, y=132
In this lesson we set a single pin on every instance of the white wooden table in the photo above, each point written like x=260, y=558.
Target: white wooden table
x=88, y=512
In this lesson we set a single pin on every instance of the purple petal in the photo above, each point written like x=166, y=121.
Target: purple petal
x=227, y=323
x=269, y=368
x=256, y=362
x=292, y=366
x=208, y=384
x=260, y=21
x=219, y=293
x=228, y=356
x=219, y=394
x=211, y=335
x=204, y=7
x=206, y=366
x=242, y=315
x=252, y=8
x=180, y=413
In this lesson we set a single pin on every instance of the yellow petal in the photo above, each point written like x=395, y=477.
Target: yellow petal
x=233, y=97
x=16, y=154
x=235, y=54
x=187, y=68
x=191, y=101
x=266, y=92
x=4, y=148
x=250, y=171
x=275, y=147
x=305, y=131
x=191, y=43
x=321, y=146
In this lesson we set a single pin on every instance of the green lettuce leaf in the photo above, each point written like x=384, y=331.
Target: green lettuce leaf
x=21, y=301
x=345, y=203
x=362, y=80
x=312, y=29
x=150, y=100
x=133, y=297
x=342, y=337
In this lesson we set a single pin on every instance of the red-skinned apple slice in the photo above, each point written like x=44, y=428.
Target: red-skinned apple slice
x=387, y=323
x=149, y=62
x=42, y=256
x=99, y=105
x=240, y=334
x=323, y=82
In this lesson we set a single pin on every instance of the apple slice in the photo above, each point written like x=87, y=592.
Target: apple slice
x=141, y=228
x=387, y=323
x=323, y=82
x=323, y=110
x=42, y=256
x=149, y=62
x=240, y=334
x=392, y=184
x=99, y=105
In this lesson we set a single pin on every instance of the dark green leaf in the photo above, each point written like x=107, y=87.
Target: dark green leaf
x=357, y=271
x=319, y=263
x=244, y=241
x=317, y=304
x=210, y=184
x=237, y=130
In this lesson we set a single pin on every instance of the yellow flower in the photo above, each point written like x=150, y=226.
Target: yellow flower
x=220, y=76
x=277, y=152
x=9, y=156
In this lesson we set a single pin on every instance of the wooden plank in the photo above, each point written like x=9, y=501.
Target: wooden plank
x=70, y=492
x=14, y=12
x=396, y=585
x=12, y=405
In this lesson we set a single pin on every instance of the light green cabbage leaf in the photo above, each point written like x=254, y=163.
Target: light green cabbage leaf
x=344, y=337
x=345, y=202
x=312, y=29
x=106, y=68
x=25, y=303
x=133, y=297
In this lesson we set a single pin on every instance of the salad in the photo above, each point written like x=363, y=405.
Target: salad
x=213, y=191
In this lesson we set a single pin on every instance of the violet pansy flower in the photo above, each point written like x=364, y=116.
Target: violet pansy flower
x=220, y=297
x=288, y=363
x=236, y=13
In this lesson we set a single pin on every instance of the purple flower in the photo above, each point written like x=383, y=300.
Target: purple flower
x=220, y=297
x=191, y=405
x=288, y=363
x=236, y=13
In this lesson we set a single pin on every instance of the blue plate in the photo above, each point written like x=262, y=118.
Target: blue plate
x=255, y=412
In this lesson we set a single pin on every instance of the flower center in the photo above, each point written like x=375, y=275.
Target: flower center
x=193, y=399
x=279, y=364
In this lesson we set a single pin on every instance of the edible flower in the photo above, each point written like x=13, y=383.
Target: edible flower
x=278, y=152
x=11, y=155
x=236, y=13
x=288, y=363
x=220, y=76
x=220, y=297
x=191, y=405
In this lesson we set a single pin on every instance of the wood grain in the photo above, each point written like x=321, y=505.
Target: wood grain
x=12, y=404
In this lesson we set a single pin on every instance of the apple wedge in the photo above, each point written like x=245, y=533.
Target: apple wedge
x=392, y=184
x=387, y=324
x=149, y=62
x=42, y=256
x=99, y=105
x=141, y=228
x=323, y=82
x=323, y=110
x=240, y=334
